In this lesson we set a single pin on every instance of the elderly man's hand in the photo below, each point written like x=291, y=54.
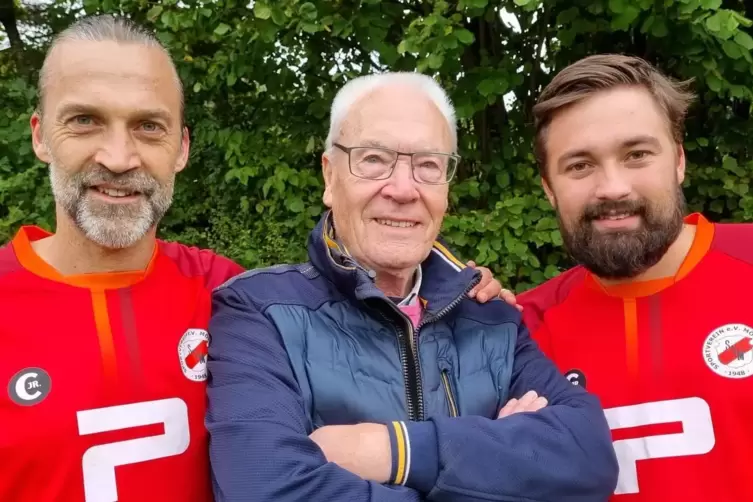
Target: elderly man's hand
x=363, y=449
x=530, y=401
x=489, y=287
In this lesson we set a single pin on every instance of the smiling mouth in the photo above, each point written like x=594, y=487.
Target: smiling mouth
x=396, y=224
x=115, y=193
x=615, y=216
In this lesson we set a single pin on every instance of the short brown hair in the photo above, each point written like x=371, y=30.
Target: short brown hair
x=601, y=72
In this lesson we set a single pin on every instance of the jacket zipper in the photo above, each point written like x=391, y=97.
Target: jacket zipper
x=428, y=319
x=412, y=365
x=411, y=375
x=414, y=394
x=448, y=392
x=407, y=362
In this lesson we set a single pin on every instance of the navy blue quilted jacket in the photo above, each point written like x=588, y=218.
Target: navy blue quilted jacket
x=296, y=347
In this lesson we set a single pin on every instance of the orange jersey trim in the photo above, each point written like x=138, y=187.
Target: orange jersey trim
x=32, y=262
x=104, y=335
x=631, y=337
x=97, y=284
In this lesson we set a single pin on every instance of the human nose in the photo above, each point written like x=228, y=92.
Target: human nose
x=118, y=152
x=401, y=187
x=614, y=183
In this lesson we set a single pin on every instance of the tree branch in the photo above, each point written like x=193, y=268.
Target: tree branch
x=9, y=22
x=536, y=69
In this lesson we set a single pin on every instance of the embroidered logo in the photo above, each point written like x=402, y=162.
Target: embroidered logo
x=193, y=349
x=728, y=351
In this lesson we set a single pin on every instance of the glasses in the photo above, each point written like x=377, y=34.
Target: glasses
x=374, y=163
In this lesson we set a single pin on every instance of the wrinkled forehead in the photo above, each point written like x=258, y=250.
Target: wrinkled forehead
x=112, y=78
x=398, y=117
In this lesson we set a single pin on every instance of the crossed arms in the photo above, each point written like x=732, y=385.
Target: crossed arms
x=261, y=450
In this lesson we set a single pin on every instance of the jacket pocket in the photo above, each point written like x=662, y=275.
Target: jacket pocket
x=446, y=375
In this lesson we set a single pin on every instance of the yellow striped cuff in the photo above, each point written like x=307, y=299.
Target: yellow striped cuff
x=400, y=453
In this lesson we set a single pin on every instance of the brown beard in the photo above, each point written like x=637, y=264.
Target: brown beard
x=625, y=254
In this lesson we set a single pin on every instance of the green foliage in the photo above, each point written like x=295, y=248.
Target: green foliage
x=259, y=80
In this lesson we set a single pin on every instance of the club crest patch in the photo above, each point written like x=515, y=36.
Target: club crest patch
x=193, y=350
x=728, y=351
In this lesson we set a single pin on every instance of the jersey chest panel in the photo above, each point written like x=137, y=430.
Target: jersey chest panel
x=80, y=428
x=676, y=385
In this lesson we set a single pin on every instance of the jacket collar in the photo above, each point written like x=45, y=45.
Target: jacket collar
x=444, y=277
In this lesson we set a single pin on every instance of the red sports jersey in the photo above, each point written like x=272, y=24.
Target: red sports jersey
x=672, y=362
x=103, y=378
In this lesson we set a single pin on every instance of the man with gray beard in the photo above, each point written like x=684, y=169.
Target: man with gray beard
x=654, y=320
x=105, y=323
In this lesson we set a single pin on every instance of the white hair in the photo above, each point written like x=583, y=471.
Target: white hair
x=361, y=86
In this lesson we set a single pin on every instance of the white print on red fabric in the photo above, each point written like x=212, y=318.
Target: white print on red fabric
x=193, y=349
x=697, y=436
x=728, y=351
x=99, y=461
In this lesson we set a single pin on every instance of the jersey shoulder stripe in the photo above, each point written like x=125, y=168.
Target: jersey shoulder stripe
x=538, y=300
x=734, y=240
x=194, y=262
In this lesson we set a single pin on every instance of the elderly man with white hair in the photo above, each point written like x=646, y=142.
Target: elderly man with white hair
x=366, y=373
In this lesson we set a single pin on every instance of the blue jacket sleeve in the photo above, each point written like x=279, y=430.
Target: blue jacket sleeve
x=259, y=445
x=561, y=453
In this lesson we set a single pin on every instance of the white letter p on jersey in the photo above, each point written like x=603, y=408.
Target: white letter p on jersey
x=100, y=461
x=697, y=437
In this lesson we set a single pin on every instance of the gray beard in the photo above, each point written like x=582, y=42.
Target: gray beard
x=113, y=226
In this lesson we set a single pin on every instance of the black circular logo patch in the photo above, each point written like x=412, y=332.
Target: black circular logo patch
x=576, y=377
x=29, y=386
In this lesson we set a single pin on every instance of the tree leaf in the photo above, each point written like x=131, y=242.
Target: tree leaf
x=714, y=23
x=278, y=16
x=648, y=23
x=308, y=11
x=617, y=6
x=296, y=205
x=567, y=16
x=435, y=61
x=464, y=36
x=262, y=10
x=711, y=4
x=732, y=49
x=729, y=163
x=742, y=20
x=221, y=29
x=745, y=40
x=713, y=82
x=659, y=28
x=154, y=13
x=488, y=86
x=625, y=20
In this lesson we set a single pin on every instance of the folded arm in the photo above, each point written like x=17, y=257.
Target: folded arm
x=259, y=444
x=562, y=452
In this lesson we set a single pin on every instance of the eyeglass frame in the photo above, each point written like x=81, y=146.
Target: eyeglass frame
x=348, y=149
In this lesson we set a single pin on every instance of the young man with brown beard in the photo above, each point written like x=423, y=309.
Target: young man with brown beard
x=654, y=319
